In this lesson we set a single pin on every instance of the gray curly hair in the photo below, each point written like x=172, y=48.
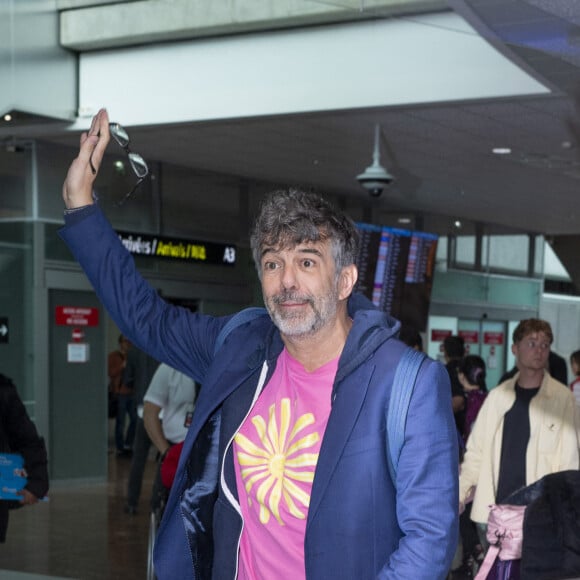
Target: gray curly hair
x=291, y=217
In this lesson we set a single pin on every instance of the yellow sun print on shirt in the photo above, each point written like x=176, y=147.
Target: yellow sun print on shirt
x=278, y=462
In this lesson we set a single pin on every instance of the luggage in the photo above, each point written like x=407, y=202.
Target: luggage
x=551, y=546
x=535, y=533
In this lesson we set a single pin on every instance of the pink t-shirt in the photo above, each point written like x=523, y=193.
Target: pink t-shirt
x=276, y=451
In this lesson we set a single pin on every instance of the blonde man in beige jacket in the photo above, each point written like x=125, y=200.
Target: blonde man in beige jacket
x=527, y=427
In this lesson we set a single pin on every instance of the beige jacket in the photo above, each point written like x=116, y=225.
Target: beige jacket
x=553, y=444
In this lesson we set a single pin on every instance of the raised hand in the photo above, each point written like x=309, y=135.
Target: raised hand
x=77, y=189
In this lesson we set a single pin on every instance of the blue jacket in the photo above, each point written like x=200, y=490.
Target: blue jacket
x=359, y=524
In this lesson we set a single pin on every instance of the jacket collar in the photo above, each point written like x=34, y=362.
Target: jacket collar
x=544, y=391
x=371, y=328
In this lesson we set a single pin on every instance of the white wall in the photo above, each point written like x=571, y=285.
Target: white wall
x=563, y=313
x=367, y=64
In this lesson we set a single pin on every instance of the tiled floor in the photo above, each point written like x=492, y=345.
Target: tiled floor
x=81, y=533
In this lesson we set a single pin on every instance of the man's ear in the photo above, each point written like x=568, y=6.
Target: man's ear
x=347, y=281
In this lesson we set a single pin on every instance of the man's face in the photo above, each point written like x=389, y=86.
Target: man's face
x=532, y=351
x=300, y=287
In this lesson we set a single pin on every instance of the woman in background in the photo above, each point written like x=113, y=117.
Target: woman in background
x=471, y=374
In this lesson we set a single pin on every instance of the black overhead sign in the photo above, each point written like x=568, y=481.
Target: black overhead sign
x=179, y=249
x=4, y=332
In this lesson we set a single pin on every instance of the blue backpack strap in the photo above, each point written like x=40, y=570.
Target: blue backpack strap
x=402, y=389
x=242, y=316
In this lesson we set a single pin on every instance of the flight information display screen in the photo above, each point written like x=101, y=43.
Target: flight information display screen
x=396, y=270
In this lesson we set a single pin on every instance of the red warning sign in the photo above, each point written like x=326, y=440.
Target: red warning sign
x=78, y=334
x=76, y=316
x=469, y=336
x=438, y=335
x=493, y=337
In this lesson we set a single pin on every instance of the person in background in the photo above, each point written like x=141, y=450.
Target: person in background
x=167, y=412
x=411, y=337
x=144, y=370
x=557, y=367
x=284, y=471
x=454, y=351
x=471, y=373
x=575, y=384
x=526, y=428
x=18, y=435
x=115, y=365
x=126, y=406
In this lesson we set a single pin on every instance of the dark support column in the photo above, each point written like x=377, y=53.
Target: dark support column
x=566, y=248
x=531, y=254
x=479, y=231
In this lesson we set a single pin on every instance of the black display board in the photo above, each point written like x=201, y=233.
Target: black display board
x=396, y=271
x=192, y=251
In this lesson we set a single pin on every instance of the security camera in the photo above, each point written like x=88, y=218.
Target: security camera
x=374, y=179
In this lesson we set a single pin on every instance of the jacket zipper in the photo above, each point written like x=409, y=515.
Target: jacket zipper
x=229, y=496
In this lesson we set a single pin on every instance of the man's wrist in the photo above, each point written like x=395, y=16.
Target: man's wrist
x=69, y=210
x=72, y=207
x=77, y=215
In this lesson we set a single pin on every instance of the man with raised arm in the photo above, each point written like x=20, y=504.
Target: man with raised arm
x=284, y=471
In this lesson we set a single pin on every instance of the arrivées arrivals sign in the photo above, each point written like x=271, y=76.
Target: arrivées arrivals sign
x=180, y=249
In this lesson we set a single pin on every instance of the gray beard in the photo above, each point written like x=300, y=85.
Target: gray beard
x=303, y=324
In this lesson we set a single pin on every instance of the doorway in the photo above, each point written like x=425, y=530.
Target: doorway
x=488, y=339
x=78, y=386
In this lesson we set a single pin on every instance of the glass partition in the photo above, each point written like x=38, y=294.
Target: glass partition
x=17, y=308
x=506, y=253
x=15, y=180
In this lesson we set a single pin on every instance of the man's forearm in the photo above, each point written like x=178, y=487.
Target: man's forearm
x=153, y=426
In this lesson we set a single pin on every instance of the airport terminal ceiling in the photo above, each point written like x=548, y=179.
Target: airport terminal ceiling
x=444, y=161
x=440, y=153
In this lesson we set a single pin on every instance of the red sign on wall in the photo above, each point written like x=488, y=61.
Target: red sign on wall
x=439, y=335
x=469, y=336
x=76, y=316
x=493, y=338
x=78, y=334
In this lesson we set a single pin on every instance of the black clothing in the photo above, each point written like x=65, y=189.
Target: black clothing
x=551, y=528
x=516, y=434
x=508, y=375
x=138, y=372
x=456, y=391
x=143, y=370
x=18, y=435
x=558, y=368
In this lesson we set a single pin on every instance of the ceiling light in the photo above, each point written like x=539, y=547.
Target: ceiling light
x=8, y=117
x=501, y=150
x=457, y=224
x=404, y=220
x=119, y=167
